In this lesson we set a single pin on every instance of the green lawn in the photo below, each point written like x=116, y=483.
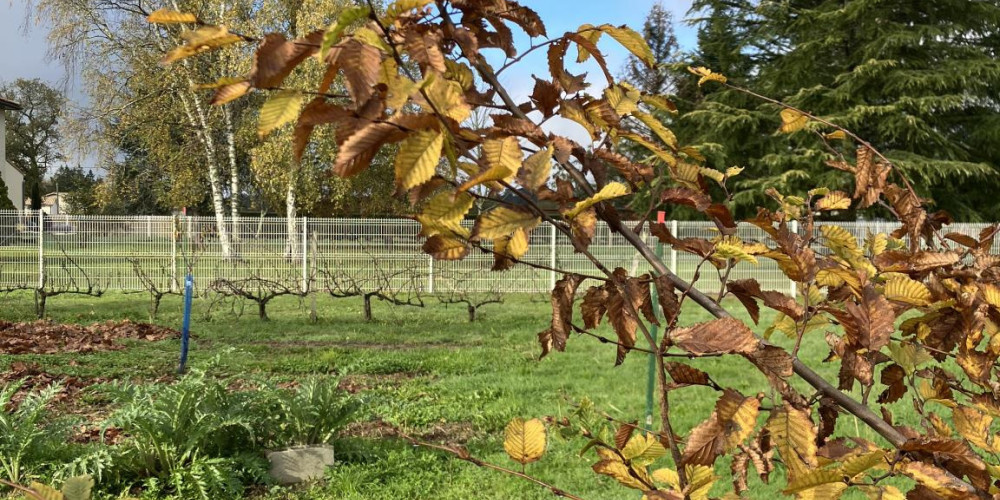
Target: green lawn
x=426, y=370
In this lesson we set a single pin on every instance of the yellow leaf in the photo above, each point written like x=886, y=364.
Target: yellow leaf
x=230, y=93
x=524, y=440
x=221, y=82
x=503, y=156
x=610, y=191
x=707, y=75
x=445, y=248
x=447, y=97
x=632, y=41
x=792, y=120
x=908, y=356
x=444, y=212
x=418, y=158
x=515, y=245
x=571, y=110
x=400, y=7
x=733, y=171
x=534, y=173
x=659, y=103
x=503, y=221
x=667, y=476
x=620, y=472
x=841, y=242
x=836, y=200
x=836, y=135
x=974, y=426
x=742, y=423
x=348, y=16
x=875, y=244
x=991, y=294
x=201, y=40
x=812, y=479
x=793, y=435
x=826, y=491
x=860, y=464
x=700, y=481
x=623, y=100
x=735, y=251
x=643, y=449
x=667, y=158
x=46, y=492
x=281, y=107
x=657, y=127
x=938, y=480
x=590, y=32
x=713, y=174
x=167, y=16
x=903, y=289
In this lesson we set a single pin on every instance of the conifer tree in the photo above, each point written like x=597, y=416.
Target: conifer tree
x=919, y=79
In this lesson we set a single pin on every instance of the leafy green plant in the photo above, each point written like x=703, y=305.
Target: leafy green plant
x=311, y=414
x=24, y=439
x=185, y=437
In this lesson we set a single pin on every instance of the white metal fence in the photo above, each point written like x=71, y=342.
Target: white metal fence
x=131, y=252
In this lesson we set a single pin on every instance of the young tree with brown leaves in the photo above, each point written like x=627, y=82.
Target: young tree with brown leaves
x=947, y=285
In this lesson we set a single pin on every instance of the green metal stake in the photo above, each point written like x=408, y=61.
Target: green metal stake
x=651, y=379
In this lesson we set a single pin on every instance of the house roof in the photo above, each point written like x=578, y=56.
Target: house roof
x=9, y=105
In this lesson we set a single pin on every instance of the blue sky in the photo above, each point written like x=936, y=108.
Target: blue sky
x=23, y=54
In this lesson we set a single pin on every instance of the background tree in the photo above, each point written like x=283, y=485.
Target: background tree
x=919, y=83
x=79, y=185
x=33, y=133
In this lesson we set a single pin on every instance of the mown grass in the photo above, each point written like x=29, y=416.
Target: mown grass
x=428, y=371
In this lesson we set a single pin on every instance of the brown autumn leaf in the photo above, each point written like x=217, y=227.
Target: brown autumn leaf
x=938, y=480
x=562, y=310
x=634, y=173
x=669, y=304
x=685, y=375
x=624, y=433
x=688, y=197
x=276, y=57
x=594, y=306
x=828, y=413
x=893, y=377
x=546, y=96
x=719, y=336
x=747, y=290
x=354, y=155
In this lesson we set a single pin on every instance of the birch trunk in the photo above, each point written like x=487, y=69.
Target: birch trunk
x=234, y=177
x=292, y=250
x=200, y=123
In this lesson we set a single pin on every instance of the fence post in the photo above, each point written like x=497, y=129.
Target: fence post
x=552, y=256
x=673, y=250
x=175, y=228
x=149, y=226
x=430, y=274
x=41, y=249
x=305, y=255
x=792, y=287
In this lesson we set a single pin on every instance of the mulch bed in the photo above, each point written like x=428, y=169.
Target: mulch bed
x=46, y=337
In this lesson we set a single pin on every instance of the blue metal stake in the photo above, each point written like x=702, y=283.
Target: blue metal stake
x=186, y=329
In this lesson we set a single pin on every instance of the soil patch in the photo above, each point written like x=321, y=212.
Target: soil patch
x=46, y=337
x=364, y=382
x=451, y=433
x=33, y=379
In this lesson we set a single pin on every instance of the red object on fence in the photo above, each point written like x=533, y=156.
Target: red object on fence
x=661, y=217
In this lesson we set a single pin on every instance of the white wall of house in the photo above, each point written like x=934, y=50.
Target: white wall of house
x=11, y=176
